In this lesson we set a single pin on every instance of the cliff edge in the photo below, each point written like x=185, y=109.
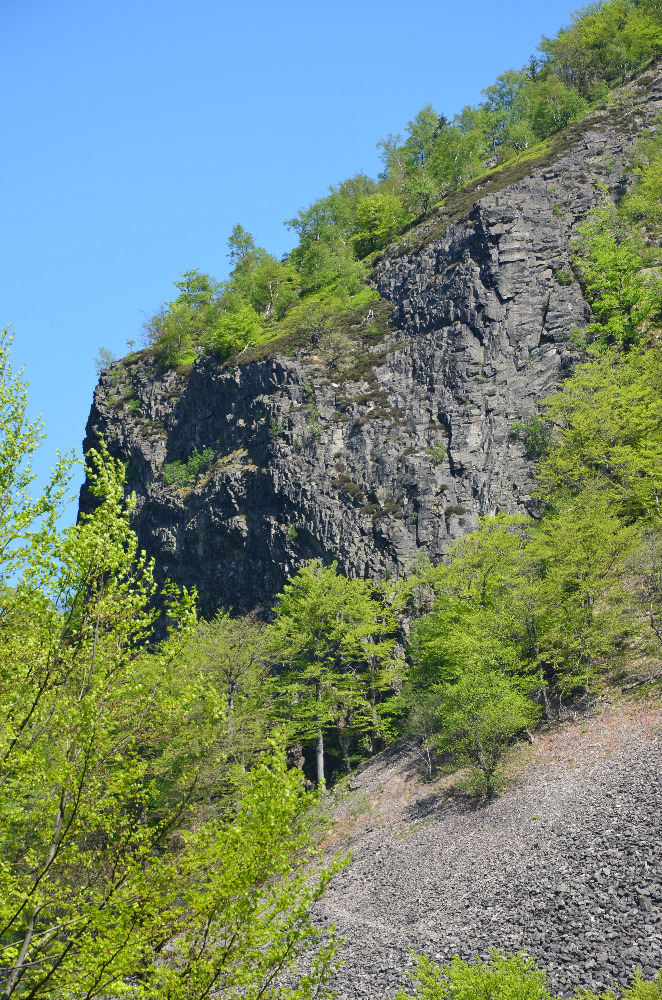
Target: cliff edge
x=389, y=437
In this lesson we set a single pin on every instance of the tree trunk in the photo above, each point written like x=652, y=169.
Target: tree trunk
x=545, y=702
x=320, y=757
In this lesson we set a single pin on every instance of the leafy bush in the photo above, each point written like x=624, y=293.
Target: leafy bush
x=180, y=473
x=455, y=510
x=482, y=716
x=103, y=360
x=564, y=276
x=502, y=977
x=437, y=454
x=234, y=332
x=534, y=434
x=506, y=977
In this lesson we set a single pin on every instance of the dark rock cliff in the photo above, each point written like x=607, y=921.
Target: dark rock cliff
x=376, y=462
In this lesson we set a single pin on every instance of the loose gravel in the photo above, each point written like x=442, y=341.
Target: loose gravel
x=565, y=865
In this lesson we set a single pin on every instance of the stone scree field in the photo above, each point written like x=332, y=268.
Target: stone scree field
x=566, y=864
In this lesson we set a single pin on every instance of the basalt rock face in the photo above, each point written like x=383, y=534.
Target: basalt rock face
x=373, y=469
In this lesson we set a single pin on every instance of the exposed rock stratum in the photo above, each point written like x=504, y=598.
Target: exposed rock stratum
x=400, y=455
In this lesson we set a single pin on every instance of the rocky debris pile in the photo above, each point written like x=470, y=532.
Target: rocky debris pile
x=567, y=866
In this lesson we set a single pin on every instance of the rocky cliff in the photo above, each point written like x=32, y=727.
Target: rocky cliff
x=389, y=436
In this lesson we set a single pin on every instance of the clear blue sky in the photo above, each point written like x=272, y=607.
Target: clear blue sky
x=138, y=132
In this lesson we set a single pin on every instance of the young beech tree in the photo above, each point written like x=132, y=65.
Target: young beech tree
x=110, y=884
x=481, y=715
x=609, y=419
x=234, y=657
x=337, y=638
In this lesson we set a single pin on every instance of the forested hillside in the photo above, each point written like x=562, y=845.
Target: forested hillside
x=401, y=486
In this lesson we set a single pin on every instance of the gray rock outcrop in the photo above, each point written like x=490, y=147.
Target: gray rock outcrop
x=377, y=463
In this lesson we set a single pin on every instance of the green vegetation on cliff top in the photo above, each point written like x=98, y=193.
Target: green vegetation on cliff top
x=289, y=301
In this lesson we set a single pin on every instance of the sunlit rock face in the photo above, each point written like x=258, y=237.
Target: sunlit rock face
x=375, y=472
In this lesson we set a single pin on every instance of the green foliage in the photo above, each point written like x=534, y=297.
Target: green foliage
x=535, y=603
x=642, y=205
x=512, y=977
x=196, y=289
x=563, y=276
x=625, y=297
x=437, y=453
x=379, y=218
x=482, y=714
x=639, y=989
x=234, y=657
x=181, y=473
x=534, y=433
x=502, y=977
x=121, y=873
x=609, y=420
x=240, y=244
x=234, y=332
x=336, y=639
x=103, y=360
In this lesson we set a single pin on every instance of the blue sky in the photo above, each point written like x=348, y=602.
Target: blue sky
x=138, y=132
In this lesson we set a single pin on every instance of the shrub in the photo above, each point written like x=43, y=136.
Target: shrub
x=103, y=360
x=563, y=275
x=455, y=509
x=234, y=332
x=514, y=977
x=180, y=473
x=482, y=716
x=348, y=487
x=534, y=434
x=437, y=453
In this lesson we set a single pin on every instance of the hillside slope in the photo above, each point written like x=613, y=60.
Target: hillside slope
x=397, y=440
x=566, y=865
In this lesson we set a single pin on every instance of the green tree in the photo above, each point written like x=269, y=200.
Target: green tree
x=459, y=153
x=235, y=656
x=379, y=218
x=240, y=244
x=609, y=427
x=625, y=297
x=584, y=611
x=422, y=133
x=234, y=331
x=104, y=359
x=112, y=865
x=535, y=435
x=196, y=289
x=336, y=639
x=482, y=714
